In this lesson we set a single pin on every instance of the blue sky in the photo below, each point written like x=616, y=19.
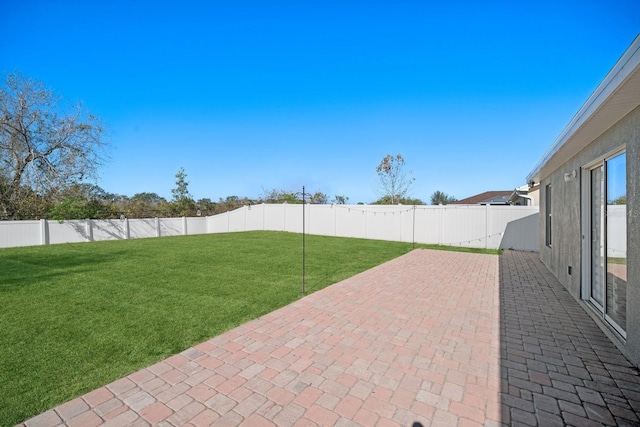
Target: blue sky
x=254, y=95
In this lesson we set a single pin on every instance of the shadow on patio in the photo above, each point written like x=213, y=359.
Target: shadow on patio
x=557, y=367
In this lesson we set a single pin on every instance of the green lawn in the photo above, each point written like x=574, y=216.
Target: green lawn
x=77, y=316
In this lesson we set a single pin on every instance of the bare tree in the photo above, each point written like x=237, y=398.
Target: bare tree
x=42, y=144
x=393, y=179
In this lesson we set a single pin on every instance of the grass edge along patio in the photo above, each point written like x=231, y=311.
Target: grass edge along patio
x=77, y=316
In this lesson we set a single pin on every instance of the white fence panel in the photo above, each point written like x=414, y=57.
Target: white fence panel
x=73, y=231
x=429, y=225
x=171, y=227
x=520, y=224
x=273, y=217
x=464, y=225
x=110, y=229
x=143, y=228
x=321, y=220
x=293, y=218
x=383, y=223
x=218, y=223
x=196, y=225
x=522, y=234
x=21, y=233
x=351, y=221
x=237, y=220
x=407, y=229
x=255, y=217
x=617, y=231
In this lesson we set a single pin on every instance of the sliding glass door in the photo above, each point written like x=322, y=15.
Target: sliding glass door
x=607, y=287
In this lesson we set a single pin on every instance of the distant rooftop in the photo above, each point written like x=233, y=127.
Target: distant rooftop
x=487, y=198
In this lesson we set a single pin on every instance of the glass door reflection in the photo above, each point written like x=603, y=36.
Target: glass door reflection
x=616, y=242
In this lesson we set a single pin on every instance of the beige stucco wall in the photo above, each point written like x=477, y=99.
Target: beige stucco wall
x=566, y=248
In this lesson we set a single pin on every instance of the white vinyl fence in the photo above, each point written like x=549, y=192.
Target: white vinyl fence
x=492, y=227
x=44, y=232
x=505, y=227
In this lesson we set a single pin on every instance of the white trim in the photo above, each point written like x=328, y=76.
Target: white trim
x=616, y=77
x=585, y=231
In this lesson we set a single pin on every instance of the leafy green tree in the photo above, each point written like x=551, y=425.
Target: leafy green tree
x=27, y=203
x=281, y=196
x=440, y=198
x=119, y=204
x=412, y=201
x=229, y=203
x=182, y=204
x=622, y=200
x=44, y=145
x=146, y=205
x=393, y=180
x=318, y=198
x=80, y=201
x=340, y=200
x=181, y=190
x=206, y=207
x=233, y=202
x=79, y=207
x=386, y=200
x=148, y=197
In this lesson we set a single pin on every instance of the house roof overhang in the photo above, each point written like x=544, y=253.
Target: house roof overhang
x=616, y=96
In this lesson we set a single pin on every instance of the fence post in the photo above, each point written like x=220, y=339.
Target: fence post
x=44, y=232
x=441, y=225
x=157, y=227
x=127, y=230
x=366, y=225
x=486, y=226
x=89, y=229
x=413, y=228
x=184, y=225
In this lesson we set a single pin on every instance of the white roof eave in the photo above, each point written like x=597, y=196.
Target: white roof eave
x=617, y=95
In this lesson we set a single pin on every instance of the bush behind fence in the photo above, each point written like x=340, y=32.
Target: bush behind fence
x=492, y=227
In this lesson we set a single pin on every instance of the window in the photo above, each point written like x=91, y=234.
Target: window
x=547, y=215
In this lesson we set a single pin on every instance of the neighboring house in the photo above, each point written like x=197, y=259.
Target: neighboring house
x=486, y=198
x=590, y=204
x=527, y=195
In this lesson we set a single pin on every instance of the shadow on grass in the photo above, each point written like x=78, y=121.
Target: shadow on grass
x=42, y=266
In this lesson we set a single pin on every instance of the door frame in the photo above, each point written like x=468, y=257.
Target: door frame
x=585, y=230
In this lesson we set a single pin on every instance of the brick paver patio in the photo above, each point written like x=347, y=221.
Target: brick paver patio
x=432, y=338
